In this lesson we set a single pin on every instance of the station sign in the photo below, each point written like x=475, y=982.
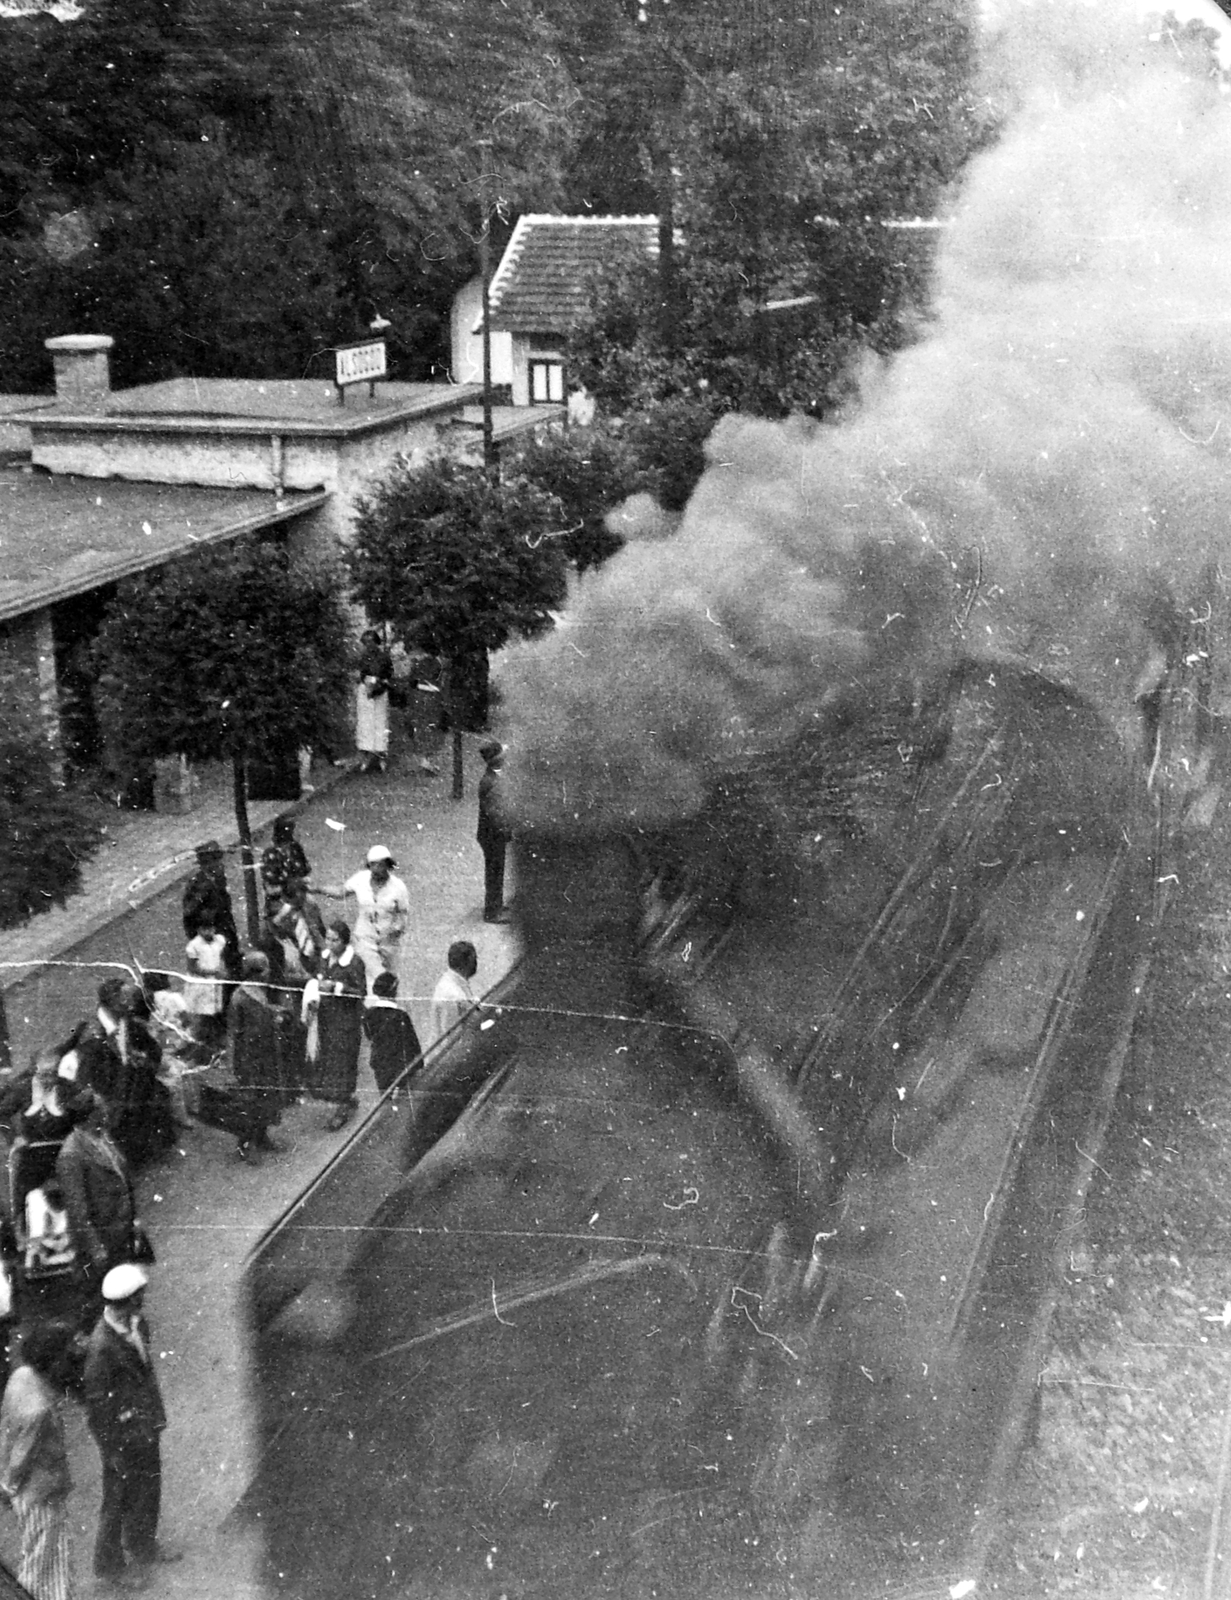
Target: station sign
x=359, y=363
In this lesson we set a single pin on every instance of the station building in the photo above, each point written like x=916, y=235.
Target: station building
x=97, y=484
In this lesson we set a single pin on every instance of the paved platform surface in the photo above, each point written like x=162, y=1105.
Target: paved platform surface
x=204, y=1207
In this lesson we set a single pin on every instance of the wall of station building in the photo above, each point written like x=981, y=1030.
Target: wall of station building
x=29, y=701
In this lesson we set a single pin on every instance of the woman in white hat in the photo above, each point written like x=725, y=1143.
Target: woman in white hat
x=382, y=910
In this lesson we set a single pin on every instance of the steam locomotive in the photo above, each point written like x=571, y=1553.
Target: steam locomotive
x=716, y=1259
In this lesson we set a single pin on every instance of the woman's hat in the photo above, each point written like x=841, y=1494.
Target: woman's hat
x=124, y=1281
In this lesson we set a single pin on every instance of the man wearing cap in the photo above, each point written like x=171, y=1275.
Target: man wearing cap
x=493, y=834
x=383, y=910
x=125, y=1412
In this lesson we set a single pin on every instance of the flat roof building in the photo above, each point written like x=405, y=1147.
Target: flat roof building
x=116, y=482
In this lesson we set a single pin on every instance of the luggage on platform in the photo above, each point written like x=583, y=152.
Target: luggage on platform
x=225, y=1104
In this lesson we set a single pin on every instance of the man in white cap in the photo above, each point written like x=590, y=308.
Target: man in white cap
x=382, y=912
x=126, y=1417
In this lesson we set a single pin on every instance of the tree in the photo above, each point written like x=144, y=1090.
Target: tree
x=350, y=129
x=588, y=471
x=231, y=653
x=457, y=563
x=780, y=147
x=658, y=451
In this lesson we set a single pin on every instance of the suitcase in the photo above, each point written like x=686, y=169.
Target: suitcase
x=223, y=1103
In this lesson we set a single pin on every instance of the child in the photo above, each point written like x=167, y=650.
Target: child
x=203, y=993
x=170, y=1023
x=395, y=1044
x=48, y=1242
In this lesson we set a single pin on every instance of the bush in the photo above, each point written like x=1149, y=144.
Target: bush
x=667, y=441
x=46, y=832
x=589, y=471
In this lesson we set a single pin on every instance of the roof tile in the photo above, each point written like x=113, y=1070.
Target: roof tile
x=542, y=283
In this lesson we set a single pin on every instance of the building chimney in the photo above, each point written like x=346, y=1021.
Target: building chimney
x=83, y=370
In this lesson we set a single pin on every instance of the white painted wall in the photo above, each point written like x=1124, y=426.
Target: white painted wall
x=467, y=346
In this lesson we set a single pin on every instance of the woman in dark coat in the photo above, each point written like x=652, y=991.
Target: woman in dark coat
x=255, y=1060
x=342, y=985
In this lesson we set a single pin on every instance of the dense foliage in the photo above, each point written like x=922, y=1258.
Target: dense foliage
x=298, y=158
x=588, y=471
x=227, y=653
x=455, y=561
x=228, y=189
x=233, y=653
x=46, y=830
x=783, y=151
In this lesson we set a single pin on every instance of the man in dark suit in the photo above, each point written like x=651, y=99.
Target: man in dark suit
x=97, y=1056
x=98, y=1192
x=493, y=833
x=126, y=1417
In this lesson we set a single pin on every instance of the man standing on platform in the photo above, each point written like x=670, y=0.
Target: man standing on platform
x=493, y=835
x=453, y=999
x=126, y=1417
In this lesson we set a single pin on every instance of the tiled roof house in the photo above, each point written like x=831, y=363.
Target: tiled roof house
x=541, y=288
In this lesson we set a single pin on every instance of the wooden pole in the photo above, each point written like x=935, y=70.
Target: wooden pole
x=491, y=463
x=459, y=768
x=247, y=859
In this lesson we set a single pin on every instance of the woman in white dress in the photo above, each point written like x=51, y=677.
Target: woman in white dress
x=204, y=995
x=372, y=703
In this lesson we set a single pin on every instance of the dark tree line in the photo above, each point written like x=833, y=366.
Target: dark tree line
x=230, y=187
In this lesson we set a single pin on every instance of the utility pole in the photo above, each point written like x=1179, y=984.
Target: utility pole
x=668, y=90
x=490, y=463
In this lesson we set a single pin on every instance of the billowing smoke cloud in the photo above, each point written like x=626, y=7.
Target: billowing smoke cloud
x=1043, y=477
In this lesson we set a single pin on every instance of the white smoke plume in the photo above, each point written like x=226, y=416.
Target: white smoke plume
x=1043, y=477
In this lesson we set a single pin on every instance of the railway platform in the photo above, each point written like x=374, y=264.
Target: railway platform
x=204, y=1207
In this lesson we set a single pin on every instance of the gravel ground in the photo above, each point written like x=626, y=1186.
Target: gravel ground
x=1115, y=1495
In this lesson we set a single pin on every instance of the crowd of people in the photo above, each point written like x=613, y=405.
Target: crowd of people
x=233, y=1039
x=293, y=1011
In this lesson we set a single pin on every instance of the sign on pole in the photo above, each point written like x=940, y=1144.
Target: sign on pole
x=359, y=363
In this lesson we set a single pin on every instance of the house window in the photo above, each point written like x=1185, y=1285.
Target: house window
x=546, y=383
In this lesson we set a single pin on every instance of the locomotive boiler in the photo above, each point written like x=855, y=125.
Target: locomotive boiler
x=716, y=1262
